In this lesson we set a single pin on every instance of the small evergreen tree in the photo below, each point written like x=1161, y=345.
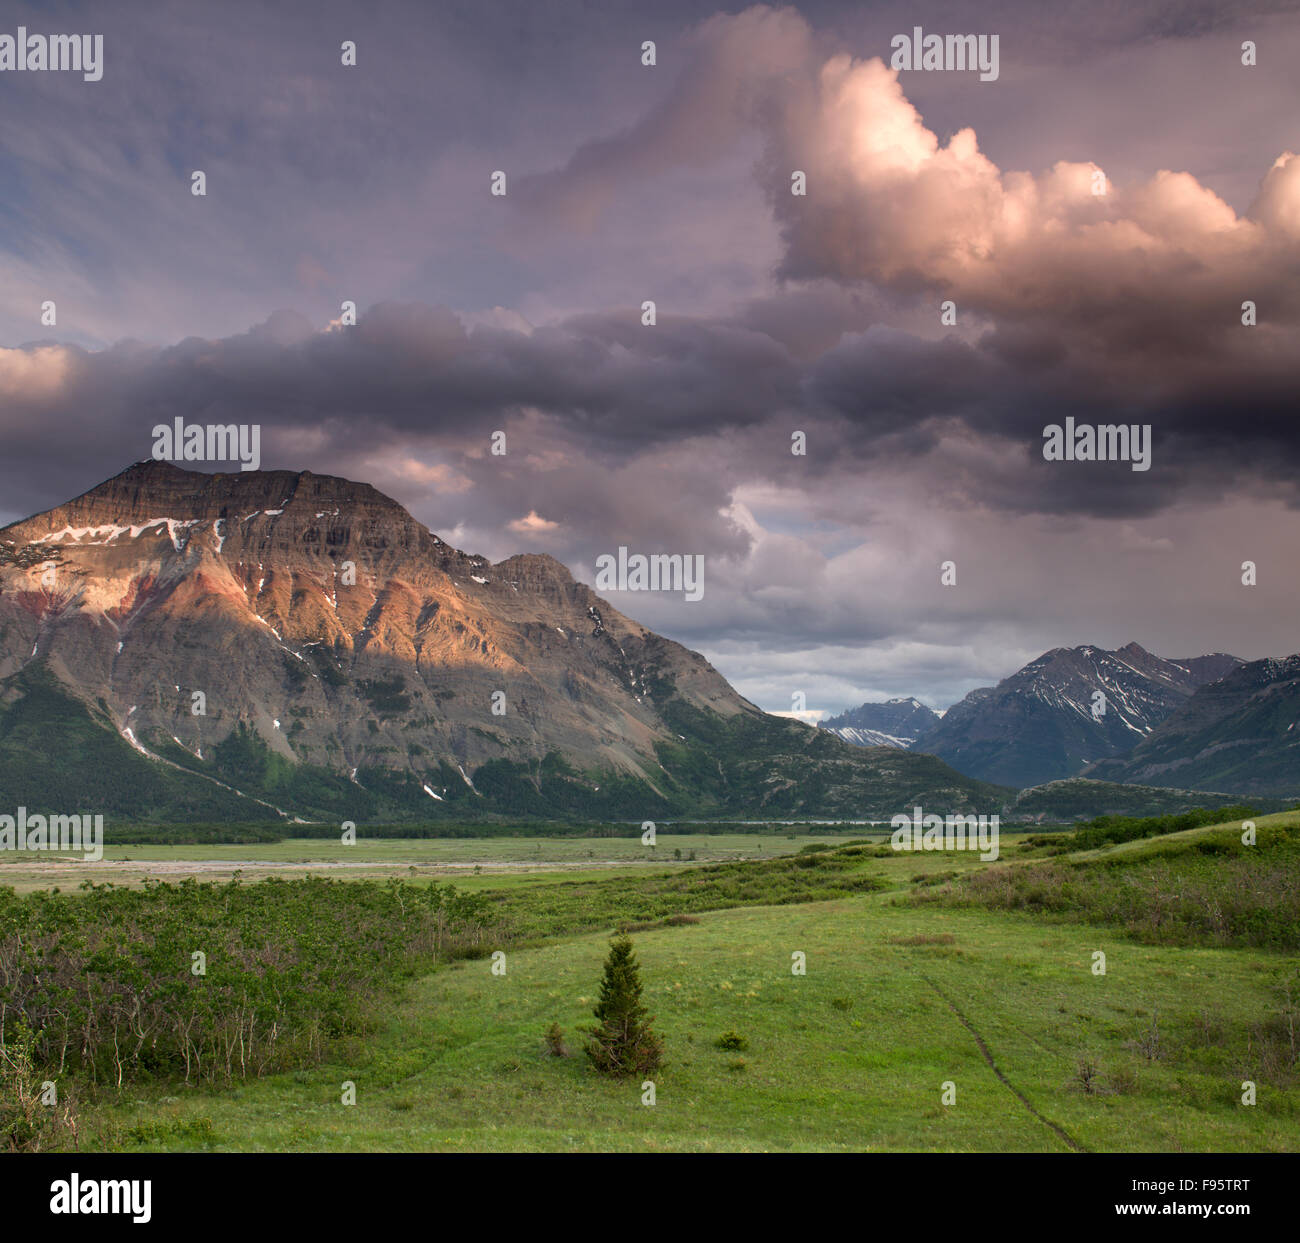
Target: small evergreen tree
x=624, y=1042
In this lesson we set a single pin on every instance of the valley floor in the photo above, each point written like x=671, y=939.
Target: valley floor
x=471, y=862
x=897, y=1001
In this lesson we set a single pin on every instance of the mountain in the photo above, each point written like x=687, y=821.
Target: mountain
x=1040, y=724
x=1240, y=733
x=894, y=723
x=179, y=644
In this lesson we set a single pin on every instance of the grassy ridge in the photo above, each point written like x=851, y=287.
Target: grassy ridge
x=1078, y=798
x=1202, y=888
x=1111, y=830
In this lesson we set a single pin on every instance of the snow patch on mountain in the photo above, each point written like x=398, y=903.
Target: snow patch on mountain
x=896, y=723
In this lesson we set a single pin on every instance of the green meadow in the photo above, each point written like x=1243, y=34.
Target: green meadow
x=944, y=1005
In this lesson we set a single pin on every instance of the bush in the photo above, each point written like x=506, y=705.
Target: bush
x=555, y=1041
x=1179, y=893
x=733, y=1042
x=1088, y=1077
x=103, y=980
x=27, y=1123
x=1111, y=830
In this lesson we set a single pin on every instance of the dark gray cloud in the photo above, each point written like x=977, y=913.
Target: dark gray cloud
x=606, y=387
x=775, y=314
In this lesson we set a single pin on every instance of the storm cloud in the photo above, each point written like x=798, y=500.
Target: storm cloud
x=780, y=319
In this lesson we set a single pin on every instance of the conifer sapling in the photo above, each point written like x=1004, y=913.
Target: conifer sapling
x=624, y=1042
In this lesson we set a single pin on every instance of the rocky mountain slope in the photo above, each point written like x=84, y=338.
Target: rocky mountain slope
x=894, y=723
x=301, y=640
x=1046, y=722
x=1240, y=733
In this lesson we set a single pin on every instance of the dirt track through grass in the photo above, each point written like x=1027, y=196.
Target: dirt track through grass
x=1061, y=1133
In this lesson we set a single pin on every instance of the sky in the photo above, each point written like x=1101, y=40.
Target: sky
x=778, y=316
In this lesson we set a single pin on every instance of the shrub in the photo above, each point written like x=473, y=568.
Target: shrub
x=1111, y=830
x=555, y=1041
x=1124, y=1081
x=1088, y=1077
x=732, y=1041
x=1149, y=1042
x=102, y=980
x=27, y=1123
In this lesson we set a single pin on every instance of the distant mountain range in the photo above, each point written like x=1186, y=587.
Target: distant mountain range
x=1208, y=723
x=1241, y=732
x=181, y=645
x=894, y=723
x=1047, y=721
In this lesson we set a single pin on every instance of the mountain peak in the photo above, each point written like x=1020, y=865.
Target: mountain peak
x=151, y=491
x=205, y=486
x=893, y=723
x=1069, y=707
x=1236, y=732
x=351, y=664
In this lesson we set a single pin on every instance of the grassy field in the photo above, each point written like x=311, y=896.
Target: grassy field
x=851, y=1055
x=915, y=979
x=922, y=970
